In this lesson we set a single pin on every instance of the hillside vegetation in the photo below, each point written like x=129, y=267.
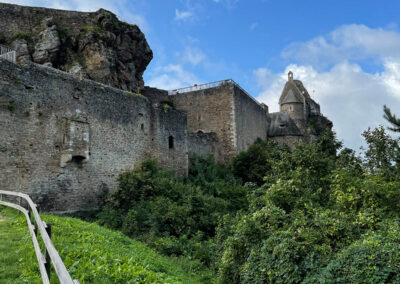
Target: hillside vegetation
x=91, y=253
x=315, y=214
x=13, y=246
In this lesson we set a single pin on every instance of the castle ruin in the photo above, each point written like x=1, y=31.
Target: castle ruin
x=66, y=132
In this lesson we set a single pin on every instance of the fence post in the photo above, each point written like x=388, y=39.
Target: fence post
x=30, y=214
x=48, y=260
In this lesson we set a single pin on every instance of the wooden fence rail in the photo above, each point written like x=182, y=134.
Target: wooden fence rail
x=43, y=228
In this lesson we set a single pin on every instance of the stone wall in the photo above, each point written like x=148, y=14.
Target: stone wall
x=251, y=121
x=211, y=110
x=156, y=96
x=171, y=147
x=295, y=110
x=203, y=144
x=63, y=140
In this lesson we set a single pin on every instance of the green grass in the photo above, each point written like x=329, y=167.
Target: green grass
x=15, y=244
x=92, y=254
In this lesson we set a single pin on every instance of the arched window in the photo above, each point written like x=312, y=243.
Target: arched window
x=291, y=108
x=171, y=142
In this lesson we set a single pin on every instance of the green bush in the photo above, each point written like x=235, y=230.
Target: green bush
x=373, y=259
x=318, y=213
x=177, y=217
x=255, y=163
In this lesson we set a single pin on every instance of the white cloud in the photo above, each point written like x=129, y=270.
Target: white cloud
x=228, y=3
x=181, y=73
x=172, y=76
x=193, y=55
x=191, y=11
x=348, y=42
x=183, y=15
x=391, y=77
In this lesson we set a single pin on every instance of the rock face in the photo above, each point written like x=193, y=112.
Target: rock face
x=94, y=45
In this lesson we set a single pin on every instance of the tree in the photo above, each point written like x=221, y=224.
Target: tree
x=383, y=153
x=392, y=119
x=255, y=163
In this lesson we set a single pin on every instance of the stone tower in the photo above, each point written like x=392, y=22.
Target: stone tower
x=292, y=100
x=296, y=101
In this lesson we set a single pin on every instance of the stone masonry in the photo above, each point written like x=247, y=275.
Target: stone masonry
x=64, y=140
x=226, y=111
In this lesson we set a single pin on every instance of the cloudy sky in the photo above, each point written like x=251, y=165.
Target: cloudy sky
x=347, y=53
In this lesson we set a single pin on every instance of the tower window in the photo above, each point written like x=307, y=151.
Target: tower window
x=171, y=142
x=291, y=108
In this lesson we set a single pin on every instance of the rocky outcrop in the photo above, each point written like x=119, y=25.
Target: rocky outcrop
x=94, y=45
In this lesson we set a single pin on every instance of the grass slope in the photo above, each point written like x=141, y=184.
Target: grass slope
x=94, y=254
x=14, y=245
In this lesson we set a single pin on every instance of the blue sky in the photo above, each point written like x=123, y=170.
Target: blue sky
x=347, y=53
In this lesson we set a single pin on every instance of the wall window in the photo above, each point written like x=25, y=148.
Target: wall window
x=291, y=108
x=171, y=142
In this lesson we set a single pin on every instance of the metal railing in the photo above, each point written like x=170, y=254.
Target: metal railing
x=209, y=86
x=8, y=54
x=45, y=232
x=199, y=87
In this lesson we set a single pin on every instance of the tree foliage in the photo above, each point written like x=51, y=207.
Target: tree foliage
x=392, y=119
x=322, y=218
x=177, y=217
x=312, y=214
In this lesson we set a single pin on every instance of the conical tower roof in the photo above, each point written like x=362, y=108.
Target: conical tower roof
x=293, y=92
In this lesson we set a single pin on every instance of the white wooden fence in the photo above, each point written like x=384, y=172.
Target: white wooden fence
x=8, y=54
x=45, y=231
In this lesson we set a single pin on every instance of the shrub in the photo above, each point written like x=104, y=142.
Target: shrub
x=255, y=163
x=175, y=216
